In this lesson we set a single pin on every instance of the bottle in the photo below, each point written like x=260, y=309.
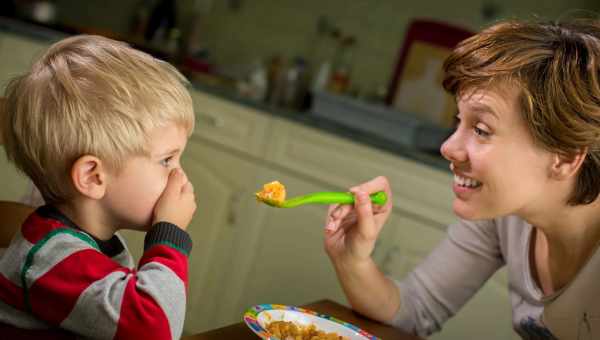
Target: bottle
x=258, y=82
x=322, y=77
x=295, y=84
x=340, y=77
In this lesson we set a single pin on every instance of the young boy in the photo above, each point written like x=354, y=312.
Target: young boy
x=99, y=128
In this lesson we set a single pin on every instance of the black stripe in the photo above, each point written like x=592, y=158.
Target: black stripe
x=110, y=248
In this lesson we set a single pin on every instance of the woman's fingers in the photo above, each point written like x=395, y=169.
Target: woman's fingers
x=364, y=212
x=337, y=214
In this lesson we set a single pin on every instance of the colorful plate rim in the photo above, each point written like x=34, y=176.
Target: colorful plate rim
x=251, y=319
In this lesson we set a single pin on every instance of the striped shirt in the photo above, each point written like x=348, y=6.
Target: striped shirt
x=55, y=280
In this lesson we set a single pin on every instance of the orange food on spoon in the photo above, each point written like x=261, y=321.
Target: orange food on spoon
x=273, y=193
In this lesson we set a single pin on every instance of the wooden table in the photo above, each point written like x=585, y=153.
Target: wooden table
x=240, y=331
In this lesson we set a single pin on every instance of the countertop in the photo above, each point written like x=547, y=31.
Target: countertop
x=432, y=159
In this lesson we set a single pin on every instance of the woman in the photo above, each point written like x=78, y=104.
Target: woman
x=526, y=163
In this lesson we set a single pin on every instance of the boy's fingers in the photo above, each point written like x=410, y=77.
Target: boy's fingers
x=175, y=182
x=188, y=188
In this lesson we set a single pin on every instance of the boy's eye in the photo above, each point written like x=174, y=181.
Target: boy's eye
x=481, y=132
x=165, y=162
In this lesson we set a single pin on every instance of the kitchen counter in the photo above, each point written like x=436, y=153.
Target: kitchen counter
x=432, y=159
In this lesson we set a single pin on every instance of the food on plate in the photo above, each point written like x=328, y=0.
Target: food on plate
x=286, y=330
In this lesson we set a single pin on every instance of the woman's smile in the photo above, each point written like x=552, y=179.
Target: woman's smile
x=464, y=186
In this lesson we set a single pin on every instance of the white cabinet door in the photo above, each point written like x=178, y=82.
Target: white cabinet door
x=229, y=124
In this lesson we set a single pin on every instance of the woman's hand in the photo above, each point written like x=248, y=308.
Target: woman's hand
x=351, y=230
x=177, y=203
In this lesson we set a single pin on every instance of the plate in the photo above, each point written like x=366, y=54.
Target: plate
x=257, y=318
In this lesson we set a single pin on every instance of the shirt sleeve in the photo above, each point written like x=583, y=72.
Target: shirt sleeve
x=69, y=283
x=452, y=273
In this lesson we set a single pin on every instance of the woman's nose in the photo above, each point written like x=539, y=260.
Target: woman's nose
x=453, y=148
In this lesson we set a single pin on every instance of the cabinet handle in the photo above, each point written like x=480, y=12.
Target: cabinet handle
x=210, y=120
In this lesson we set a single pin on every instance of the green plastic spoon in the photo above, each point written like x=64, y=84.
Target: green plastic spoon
x=378, y=198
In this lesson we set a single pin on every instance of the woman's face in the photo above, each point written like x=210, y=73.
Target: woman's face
x=498, y=170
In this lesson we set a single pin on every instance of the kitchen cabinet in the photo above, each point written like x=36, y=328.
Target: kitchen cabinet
x=16, y=54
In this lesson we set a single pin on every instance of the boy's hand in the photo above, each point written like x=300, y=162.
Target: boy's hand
x=177, y=203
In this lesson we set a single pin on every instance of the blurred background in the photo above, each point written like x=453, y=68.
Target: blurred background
x=348, y=47
x=319, y=94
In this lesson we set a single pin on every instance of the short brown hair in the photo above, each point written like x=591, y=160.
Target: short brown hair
x=556, y=66
x=88, y=95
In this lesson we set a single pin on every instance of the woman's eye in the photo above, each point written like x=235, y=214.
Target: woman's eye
x=165, y=162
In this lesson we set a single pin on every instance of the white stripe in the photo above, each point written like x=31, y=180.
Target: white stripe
x=13, y=258
x=54, y=251
x=168, y=290
x=96, y=313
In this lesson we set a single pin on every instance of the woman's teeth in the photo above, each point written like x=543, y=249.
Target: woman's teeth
x=466, y=182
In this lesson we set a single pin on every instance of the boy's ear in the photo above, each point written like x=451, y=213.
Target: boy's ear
x=564, y=167
x=88, y=175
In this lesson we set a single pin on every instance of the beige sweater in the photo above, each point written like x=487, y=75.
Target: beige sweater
x=472, y=253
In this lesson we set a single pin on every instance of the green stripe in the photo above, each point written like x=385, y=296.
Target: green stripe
x=172, y=245
x=38, y=246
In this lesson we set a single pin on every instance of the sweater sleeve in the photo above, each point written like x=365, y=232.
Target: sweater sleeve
x=69, y=283
x=452, y=273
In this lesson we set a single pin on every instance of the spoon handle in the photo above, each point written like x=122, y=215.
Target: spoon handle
x=378, y=198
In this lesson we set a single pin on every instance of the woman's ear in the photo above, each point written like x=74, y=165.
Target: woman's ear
x=88, y=175
x=564, y=167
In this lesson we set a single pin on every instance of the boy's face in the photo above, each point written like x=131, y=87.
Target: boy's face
x=132, y=194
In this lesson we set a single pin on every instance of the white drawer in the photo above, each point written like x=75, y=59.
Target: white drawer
x=229, y=124
x=418, y=189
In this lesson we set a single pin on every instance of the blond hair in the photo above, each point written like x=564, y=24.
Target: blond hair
x=88, y=95
x=556, y=66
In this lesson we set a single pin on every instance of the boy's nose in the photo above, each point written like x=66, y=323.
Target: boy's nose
x=453, y=148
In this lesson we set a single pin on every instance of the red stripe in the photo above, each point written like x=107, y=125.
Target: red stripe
x=36, y=227
x=11, y=294
x=53, y=295
x=141, y=317
x=169, y=257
